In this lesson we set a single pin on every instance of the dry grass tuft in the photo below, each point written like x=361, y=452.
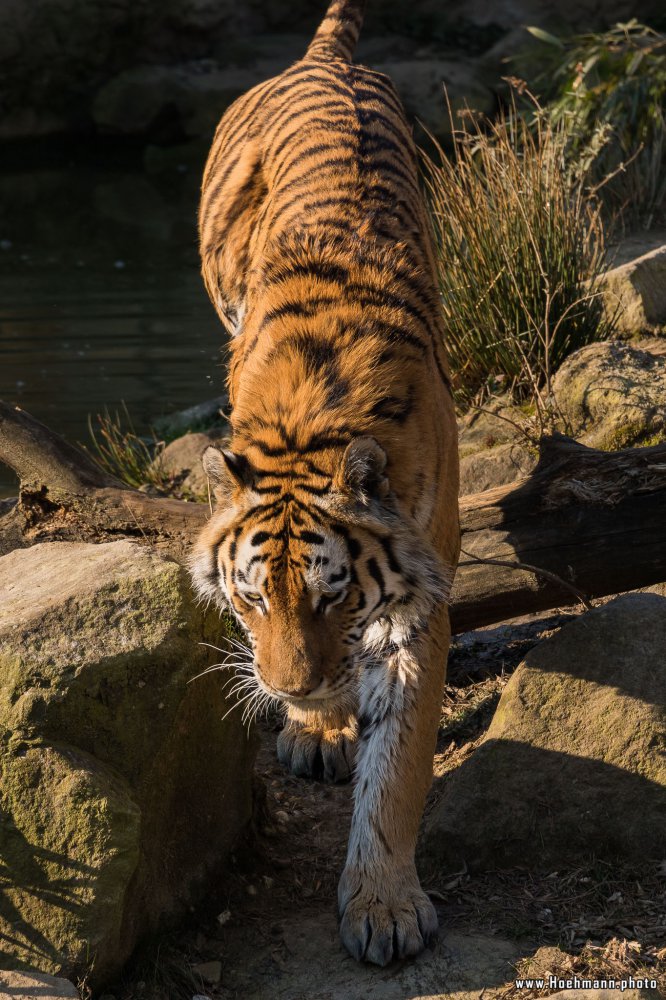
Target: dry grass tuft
x=118, y=449
x=520, y=253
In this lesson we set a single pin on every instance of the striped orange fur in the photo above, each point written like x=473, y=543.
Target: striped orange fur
x=335, y=536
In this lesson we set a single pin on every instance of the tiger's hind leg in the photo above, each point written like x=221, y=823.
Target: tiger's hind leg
x=319, y=748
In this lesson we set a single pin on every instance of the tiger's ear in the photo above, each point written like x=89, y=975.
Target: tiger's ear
x=227, y=472
x=362, y=472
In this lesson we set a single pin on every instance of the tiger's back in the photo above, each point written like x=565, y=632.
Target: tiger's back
x=335, y=538
x=325, y=144
x=316, y=252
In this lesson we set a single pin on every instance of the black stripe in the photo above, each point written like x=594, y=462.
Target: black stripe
x=260, y=537
x=354, y=547
x=375, y=573
x=306, y=179
x=330, y=223
x=393, y=563
x=309, y=309
x=323, y=270
x=367, y=296
x=303, y=75
x=395, y=408
x=332, y=111
x=371, y=117
x=311, y=536
x=388, y=167
x=317, y=491
x=312, y=151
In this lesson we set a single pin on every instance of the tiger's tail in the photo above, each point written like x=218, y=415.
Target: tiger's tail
x=338, y=33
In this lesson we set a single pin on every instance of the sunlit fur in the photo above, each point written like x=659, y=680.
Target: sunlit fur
x=335, y=537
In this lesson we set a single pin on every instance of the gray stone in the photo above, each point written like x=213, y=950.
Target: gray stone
x=573, y=761
x=424, y=83
x=206, y=413
x=122, y=790
x=612, y=395
x=35, y=986
x=181, y=463
x=498, y=466
x=636, y=293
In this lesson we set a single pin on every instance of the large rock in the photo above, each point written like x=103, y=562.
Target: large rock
x=190, y=98
x=573, y=763
x=611, y=395
x=635, y=292
x=35, y=986
x=122, y=790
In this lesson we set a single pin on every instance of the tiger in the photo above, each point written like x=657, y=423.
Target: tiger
x=334, y=537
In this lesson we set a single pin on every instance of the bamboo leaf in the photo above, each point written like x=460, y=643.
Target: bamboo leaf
x=545, y=36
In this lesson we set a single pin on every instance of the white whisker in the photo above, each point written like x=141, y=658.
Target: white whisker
x=240, y=645
x=211, y=646
x=217, y=667
x=238, y=703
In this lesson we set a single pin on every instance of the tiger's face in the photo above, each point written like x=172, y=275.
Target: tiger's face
x=317, y=568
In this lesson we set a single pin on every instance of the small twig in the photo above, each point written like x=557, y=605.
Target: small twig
x=538, y=571
x=127, y=507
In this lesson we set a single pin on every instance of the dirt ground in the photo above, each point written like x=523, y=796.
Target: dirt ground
x=273, y=934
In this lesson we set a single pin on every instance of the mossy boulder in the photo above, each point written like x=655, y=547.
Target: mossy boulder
x=613, y=395
x=69, y=841
x=573, y=764
x=123, y=790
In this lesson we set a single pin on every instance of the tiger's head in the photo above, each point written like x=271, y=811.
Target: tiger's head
x=321, y=568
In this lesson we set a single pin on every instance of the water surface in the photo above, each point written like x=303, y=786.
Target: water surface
x=101, y=301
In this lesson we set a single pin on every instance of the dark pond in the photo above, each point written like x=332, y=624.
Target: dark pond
x=101, y=302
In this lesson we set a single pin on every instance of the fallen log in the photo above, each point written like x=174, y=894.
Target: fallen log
x=65, y=496
x=586, y=520
x=584, y=524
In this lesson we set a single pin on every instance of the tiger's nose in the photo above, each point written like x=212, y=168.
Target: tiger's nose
x=303, y=692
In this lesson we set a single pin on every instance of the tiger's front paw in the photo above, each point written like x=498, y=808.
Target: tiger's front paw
x=323, y=754
x=382, y=921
